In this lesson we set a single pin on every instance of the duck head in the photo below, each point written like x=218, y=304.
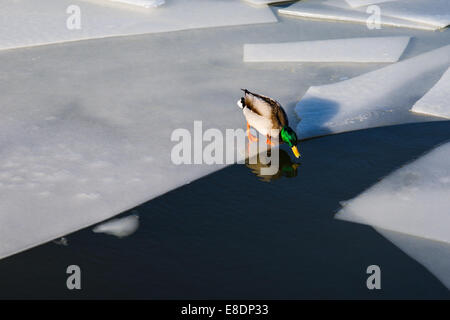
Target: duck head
x=288, y=136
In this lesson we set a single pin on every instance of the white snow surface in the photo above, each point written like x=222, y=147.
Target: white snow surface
x=413, y=200
x=328, y=11
x=31, y=23
x=436, y=102
x=371, y=100
x=120, y=227
x=374, y=49
x=142, y=3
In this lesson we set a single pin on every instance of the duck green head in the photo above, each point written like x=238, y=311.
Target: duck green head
x=288, y=136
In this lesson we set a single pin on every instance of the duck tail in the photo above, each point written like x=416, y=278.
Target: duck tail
x=241, y=103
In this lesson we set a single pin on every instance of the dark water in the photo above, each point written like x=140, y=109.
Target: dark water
x=231, y=235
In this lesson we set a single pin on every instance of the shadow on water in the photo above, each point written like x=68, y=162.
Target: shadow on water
x=229, y=235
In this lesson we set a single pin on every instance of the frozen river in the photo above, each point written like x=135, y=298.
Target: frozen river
x=215, y=238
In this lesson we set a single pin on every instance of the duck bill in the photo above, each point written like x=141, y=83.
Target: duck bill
x=295, y=151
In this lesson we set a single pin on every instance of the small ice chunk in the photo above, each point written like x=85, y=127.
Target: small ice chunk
x=373, y=49
x=143, y=3
x=320, y=10
x=61, y=241
x=120, y=228
x=373, y=99
x=436, y=101
x=413, y=200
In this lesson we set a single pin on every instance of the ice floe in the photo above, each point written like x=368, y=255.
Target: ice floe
x=436, y=102
x=410, y=207
x=433, y=12
x=433, y=255
x=263, y=2
x=31, y=23
x=330, y=11
x=374, y=49
x=413, y=200
x=121, y=227
x=371, y=100
x=361, y=3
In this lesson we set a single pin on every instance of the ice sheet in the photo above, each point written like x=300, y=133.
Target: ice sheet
x=374, y=49
x=319, y=10
x=436, y=102
x=433, y=255
x=31, y=23
x=263, y=2
x=433, y=12
x=360, y=3
x=142, y=3
x=371, y=100
x=413, y=200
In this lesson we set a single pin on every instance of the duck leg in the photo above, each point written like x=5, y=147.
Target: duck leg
x=269, y=141
x=250, y=136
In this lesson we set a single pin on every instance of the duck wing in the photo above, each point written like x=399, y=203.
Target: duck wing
x=259, y=104
x=281, y=116
x=266, y=107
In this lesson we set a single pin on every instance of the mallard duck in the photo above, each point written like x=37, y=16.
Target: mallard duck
x=268, y=117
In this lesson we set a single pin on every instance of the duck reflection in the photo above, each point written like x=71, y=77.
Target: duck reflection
x=287, y=167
